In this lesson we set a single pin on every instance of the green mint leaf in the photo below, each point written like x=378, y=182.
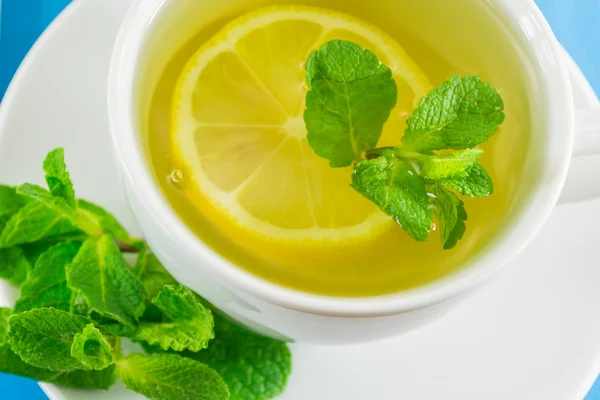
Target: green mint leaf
x=10, y=204
x=395, y=187
x=104, y=219
x=449, y=165
x=10, y=201
x=43, y=337
x=91, y=348
x=42, y=195
x=171, y=377
x=451, y=215
x=62, y=208
x=14, y=266
x=461, y=113
x=47, y=285
x=4, y=314
x=58, y=178
x=151, y=272
x=188, y=323
x=100, y=274
x=253, y=366
x=34, y=222
x=477, y=182
x=351, y=96
x=11, y=363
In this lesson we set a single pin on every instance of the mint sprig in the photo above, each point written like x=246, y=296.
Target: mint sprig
x=350, y=98
x=79, y=298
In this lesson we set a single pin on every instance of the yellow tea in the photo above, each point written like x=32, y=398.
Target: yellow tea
x=287, y=216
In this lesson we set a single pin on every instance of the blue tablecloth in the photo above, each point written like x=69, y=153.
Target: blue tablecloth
x=574, y=21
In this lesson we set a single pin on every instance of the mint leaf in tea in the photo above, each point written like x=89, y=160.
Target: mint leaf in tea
x=351, y=96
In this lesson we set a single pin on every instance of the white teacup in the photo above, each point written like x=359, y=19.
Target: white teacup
x=155, y=29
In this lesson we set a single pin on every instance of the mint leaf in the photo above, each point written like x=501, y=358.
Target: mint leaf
x=461, y=113
x=395, y=187
x=151, y=272
x=34, y=222
x=451, y=215
x=91, y=348
x=477, y=182
x=253, y=366
x=43, y=337
x=58, y=178
x=104, y=219
x=10, y=204
x=42, y=195
x=188, y=323
x=11, y=363
x=170, y=377
x=99, y=273
x=10, y=201
x=449, y=165
x=351, y=96
x=4, y=314
x=47, y=285
x=14, y=266
x=62, y=208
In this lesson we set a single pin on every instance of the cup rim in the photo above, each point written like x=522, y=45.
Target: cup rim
x=539, y=41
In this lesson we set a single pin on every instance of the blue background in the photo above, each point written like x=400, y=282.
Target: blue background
x=575, y=22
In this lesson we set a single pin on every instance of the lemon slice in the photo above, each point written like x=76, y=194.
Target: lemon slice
x=238, y=135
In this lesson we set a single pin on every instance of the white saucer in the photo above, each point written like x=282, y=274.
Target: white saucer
x=532, y=333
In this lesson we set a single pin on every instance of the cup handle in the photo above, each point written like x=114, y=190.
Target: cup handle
x=580, y=185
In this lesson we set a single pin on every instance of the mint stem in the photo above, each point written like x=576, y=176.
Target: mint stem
x=117, y=352
x=87, y=225
x=374, y=153
x=126, y=247
x=399, y=151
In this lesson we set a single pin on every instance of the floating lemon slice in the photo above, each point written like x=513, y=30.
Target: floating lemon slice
x=238, y=135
